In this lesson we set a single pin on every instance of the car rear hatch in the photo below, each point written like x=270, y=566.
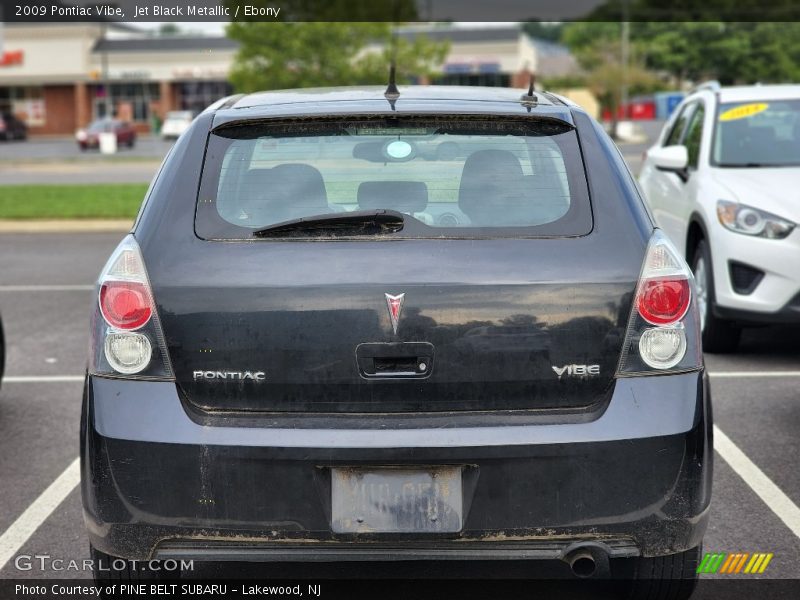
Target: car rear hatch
x=498, y=324
x=517, y=305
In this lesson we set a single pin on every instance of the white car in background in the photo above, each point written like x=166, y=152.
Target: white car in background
x=723, y=182
x=175, y=123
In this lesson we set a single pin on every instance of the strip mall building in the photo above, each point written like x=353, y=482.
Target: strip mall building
x=52, y=75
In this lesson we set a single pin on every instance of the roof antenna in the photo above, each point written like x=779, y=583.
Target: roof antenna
x=530, y=99
x=392, y=93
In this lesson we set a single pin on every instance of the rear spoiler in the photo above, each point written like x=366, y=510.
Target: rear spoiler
x=225, y=102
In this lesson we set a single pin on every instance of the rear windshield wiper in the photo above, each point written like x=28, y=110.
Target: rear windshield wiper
x=359, y=222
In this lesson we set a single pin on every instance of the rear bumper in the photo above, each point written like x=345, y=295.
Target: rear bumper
x=440, y=550
x=159, y=482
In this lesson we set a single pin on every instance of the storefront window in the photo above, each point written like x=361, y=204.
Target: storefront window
x=482, y=79
x=197, y=95
x=27, y=103
x=131, y=100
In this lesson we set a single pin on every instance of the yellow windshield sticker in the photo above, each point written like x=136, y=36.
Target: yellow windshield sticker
x=743, y=111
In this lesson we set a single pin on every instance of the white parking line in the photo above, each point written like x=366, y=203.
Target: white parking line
x=778, y=502
x=733, y=374
x=29, y=521
x=43, y=379
x=46, y=288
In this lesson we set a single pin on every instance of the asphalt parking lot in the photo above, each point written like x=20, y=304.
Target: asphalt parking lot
x=65, y=148
x=60, y=161
x=45, y=297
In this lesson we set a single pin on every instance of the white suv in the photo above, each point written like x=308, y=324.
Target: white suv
x=723, y=182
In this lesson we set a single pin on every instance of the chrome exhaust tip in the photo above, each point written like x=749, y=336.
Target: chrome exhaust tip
x=582, y=564
x=587, y=560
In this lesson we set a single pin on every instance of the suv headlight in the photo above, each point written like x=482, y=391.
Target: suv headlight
x=752, y=221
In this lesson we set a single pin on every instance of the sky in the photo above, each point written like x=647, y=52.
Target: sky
x=219, y=28
x=204, y=28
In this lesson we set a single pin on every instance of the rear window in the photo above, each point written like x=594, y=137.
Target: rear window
x=448, y=177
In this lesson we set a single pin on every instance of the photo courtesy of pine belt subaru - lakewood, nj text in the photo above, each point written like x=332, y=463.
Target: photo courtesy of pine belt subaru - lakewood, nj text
x=325, y=338
x=722, y=182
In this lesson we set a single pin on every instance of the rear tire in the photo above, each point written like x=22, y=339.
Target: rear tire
x=719, y=335
x=671, y=577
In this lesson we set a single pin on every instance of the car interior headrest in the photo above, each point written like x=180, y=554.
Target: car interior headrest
x=402, y=196
x=284, y=192
x=493, y=189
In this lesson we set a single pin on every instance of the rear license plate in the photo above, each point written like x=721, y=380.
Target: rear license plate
x=396, y=500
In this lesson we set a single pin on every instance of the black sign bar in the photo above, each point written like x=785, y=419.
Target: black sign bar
x=133, y=11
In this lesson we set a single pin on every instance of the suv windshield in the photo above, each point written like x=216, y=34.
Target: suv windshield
x=447, y=177
x=758, y=134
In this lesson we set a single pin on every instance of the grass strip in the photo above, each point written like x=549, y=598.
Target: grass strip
x=100, y=201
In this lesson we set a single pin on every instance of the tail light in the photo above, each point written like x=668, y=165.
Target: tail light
x=127, y=339
x=125, y=304
x=663, y=332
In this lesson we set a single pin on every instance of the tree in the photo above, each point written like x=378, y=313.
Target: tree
x=168, y=29
x=550, y=32
x=597, y=48
x=311, y=54
x=585, y=39
x=775, y=56
x=695, y=11
x=561, y=82
x=606, y=81
x=693, y=51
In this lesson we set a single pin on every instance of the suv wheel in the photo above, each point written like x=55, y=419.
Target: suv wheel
x=719, y=335
x=671, y=577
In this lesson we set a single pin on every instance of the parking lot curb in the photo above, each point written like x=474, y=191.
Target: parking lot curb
x=64, y=225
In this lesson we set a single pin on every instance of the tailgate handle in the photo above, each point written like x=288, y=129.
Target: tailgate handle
x=395, y=360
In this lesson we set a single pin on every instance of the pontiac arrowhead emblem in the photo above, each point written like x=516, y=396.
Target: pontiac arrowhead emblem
x=395, y=304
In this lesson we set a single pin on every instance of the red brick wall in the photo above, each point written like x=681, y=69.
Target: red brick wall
x=83, y=105
x=521, y=79
x=141, y=126
x=60, y=111
x=166, y=103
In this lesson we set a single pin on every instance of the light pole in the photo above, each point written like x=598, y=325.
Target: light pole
x=625, y=52
x=107, y=104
